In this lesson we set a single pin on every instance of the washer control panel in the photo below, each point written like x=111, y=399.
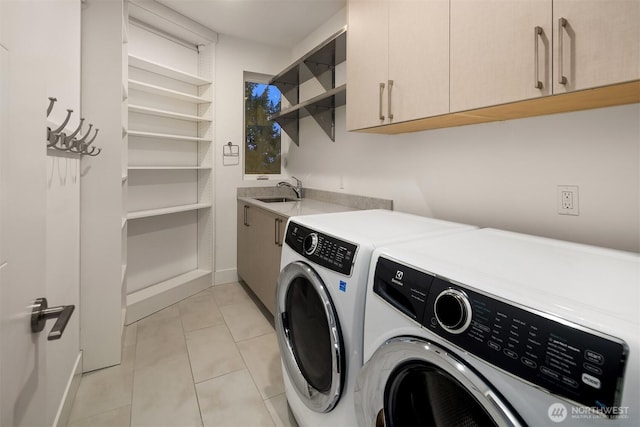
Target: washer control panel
x=566, y=359
x=322, y=249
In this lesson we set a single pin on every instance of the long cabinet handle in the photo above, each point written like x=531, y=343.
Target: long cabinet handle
x=562, y=24
x=276, y=228
x=537, y=33
x=380, y=101
x=389, y=99
x=246, y=216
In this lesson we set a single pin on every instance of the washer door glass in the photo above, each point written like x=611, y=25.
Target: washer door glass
x=309, y=337
x=421, y=394
x=410, y=381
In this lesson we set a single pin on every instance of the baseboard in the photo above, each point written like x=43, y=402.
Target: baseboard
x=64, y=410
x=229, y=275
x=157, y=297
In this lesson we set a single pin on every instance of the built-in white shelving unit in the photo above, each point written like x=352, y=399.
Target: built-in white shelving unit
x=104, y=224
x=169, y=171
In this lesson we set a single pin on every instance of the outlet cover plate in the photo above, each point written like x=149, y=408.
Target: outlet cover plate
x=568, y=200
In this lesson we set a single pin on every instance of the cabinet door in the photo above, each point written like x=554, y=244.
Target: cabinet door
x=599, y=45
x=246, y=245
x=367, y=59
x=493, y=56
x=418, y=59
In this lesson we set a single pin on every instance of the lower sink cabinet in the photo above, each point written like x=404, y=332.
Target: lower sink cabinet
x=260, y=238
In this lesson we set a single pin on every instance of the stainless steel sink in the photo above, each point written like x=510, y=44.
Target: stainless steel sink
x=276, y=199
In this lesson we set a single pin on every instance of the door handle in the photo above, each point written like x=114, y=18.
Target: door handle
x=537, y=33
x=41, y=312
x=562, y=24
x=380, y=114
x=389, y=100
x=246, y=216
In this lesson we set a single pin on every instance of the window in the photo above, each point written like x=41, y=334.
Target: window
x=263, y=148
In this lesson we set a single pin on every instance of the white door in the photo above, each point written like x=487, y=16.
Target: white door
x=27, y=369
x=22, y=230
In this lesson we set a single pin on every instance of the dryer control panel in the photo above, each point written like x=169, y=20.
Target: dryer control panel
x=322, y=249
x=569, y=360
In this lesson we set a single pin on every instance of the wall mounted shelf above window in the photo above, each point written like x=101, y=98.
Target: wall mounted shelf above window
x=319, y=63
x=321, y=108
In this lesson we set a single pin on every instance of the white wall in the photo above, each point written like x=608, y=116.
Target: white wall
x=234, y=57
x=502, y=175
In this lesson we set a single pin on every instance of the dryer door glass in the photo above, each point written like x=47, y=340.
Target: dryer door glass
x=309, y=337
x=309, y=334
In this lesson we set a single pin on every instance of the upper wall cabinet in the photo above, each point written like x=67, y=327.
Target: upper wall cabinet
x=416, y=65
x=499, y=51
x=398, y=61
x=502, y=51
x=595, y=43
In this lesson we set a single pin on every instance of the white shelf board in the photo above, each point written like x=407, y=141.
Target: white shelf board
x=154, y=67
x=166, y=136
x=124, y=273
x=159, y=90
x=169, y=210
x=160, y=168
x=167, y=114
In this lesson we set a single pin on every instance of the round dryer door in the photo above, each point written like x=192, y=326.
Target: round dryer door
x=409, y=381
x=309, y=337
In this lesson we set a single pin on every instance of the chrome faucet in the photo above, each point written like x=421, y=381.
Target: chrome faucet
x=297, y=189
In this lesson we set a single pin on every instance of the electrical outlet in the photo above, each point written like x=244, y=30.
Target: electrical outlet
x=568, y=201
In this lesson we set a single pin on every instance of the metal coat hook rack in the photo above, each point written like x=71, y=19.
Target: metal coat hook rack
x=59, y=140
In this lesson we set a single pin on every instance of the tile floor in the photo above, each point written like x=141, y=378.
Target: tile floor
x=210, y=360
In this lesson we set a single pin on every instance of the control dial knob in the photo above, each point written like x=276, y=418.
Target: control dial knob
x=310, y=243
x=453, y=310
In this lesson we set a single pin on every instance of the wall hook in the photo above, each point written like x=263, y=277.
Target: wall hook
x=59, y=140
x=50, y=107
x=69, y=140
x=66, y=120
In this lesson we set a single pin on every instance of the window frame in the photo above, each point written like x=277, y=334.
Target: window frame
x=285, y=141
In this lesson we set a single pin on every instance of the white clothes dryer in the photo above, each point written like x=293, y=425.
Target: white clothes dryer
x=497, y=328
x=320, y=302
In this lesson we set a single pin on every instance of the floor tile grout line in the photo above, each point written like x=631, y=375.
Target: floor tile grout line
x=133, y=374
x=193, y=381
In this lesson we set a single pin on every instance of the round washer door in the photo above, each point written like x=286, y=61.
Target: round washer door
x=309, y=337
x=410, y=381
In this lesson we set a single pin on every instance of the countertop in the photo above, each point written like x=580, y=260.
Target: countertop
x=304, y=206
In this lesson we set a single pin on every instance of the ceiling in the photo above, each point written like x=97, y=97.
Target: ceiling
x=275, y=22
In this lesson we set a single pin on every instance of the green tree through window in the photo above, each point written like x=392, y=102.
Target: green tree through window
x=262, y=136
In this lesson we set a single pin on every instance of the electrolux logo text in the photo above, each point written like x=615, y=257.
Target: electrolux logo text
x=398, y=279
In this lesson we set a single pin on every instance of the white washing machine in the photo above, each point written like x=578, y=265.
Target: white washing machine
x=497, y=328
x=320, y=304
